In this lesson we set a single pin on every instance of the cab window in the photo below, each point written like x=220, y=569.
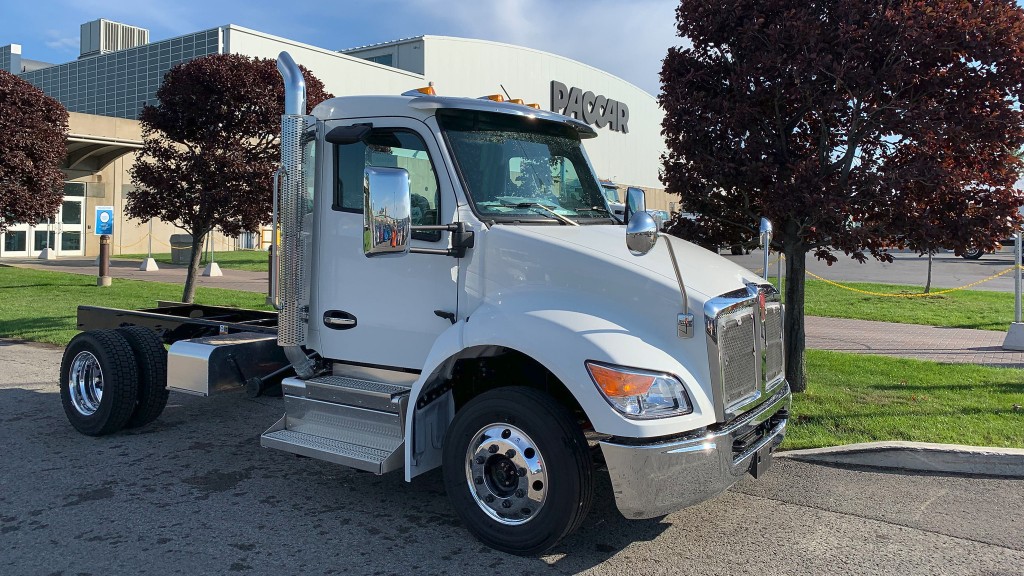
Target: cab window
x=389, y=148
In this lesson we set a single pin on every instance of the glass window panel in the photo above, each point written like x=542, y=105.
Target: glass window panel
x=74, y=189
x=71, y=240
x=14, y=241
x=39, y=242
x=71, y=213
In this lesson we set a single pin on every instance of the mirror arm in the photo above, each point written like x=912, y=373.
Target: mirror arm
x=675, y=267
x=463, y=238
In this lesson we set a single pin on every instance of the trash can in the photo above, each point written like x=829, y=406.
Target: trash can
x=181, y=248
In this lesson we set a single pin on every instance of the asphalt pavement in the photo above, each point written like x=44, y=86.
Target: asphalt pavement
x=194, y=493
x=948, y=271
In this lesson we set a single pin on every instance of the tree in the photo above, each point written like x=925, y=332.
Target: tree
x=34, y=129
x=837, y=119
x=210, y=148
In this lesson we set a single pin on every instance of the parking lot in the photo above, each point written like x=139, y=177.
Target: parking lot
x=948, y=271
x=195, y=494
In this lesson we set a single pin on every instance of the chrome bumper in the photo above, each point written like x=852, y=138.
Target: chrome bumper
x=655, y=479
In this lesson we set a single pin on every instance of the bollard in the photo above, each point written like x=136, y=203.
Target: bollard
x=1015, y=335
x=104, y=278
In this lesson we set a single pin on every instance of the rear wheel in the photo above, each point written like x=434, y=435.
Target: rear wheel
x=151, y=366
x=98, y=382
x=973, y=254
x=517, y=470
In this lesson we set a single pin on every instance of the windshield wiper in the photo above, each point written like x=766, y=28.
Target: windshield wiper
x=556, y=215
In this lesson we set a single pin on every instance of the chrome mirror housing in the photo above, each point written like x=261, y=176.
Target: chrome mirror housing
x=387, y=206
x=641, y=233
x=636, y=202
x=766, y=233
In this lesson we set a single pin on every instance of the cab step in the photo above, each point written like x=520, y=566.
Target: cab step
x=357, y=423
x=355, y=392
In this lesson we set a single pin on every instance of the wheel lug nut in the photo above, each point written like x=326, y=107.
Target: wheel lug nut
x=506, y=504
x=492, y=448
x=489, y=498
x=520, y=493
x=522, y=472
x=510, y=453
x=478, y=480
x=480, y=460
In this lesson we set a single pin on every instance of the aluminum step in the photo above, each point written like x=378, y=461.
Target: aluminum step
x=357, y=456
x=354, y=392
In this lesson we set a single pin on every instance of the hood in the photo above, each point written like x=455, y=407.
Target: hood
x=703, y=271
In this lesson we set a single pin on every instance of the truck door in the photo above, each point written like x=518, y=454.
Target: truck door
x=391, y=299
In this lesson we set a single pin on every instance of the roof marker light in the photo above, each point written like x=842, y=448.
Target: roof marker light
x=494, y=97
x=534, y=105
x=518, y=101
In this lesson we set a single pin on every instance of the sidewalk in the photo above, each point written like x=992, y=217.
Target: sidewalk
x=937, y=344
x=129, y=269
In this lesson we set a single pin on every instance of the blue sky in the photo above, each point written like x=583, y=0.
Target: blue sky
x=626, y=38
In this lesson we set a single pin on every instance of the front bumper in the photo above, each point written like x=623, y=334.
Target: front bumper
x=655, y=479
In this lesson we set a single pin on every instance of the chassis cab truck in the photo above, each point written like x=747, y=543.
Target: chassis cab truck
x=453, y=292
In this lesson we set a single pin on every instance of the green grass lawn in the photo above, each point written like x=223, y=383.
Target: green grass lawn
x=850, y=398
x=856, y=398
x=40, y=305
x=960, y=309
x=254, y=260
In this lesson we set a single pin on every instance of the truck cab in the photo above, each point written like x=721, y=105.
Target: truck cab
x=454, y=292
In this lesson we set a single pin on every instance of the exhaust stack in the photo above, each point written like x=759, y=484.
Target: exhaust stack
x=288, y=274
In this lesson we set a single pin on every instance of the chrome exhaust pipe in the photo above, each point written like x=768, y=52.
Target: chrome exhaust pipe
x=288, y=261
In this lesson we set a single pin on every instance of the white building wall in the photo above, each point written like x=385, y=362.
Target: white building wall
x=342, y=75
x=466, y=67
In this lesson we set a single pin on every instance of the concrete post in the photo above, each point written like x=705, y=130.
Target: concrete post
x=149, y=265
x=104, y=277
x=1015, y=335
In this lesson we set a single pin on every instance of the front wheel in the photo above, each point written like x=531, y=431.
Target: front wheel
x=517, y=470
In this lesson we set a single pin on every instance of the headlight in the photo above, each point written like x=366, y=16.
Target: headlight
x=640, y=394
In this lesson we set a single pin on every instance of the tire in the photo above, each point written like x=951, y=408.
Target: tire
x=151, y=366
x=98, y=382
x=973, y=254
x=548, y=501
x=736, y=250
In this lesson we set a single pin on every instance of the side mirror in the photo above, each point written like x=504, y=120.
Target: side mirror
x=387, y=226
x=641, y=234
x=766, y=234
x=636, y=202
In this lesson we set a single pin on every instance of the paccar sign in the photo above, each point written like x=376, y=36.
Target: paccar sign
x=595, y=110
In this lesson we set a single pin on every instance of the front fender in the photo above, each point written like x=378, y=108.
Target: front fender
x=561, y=340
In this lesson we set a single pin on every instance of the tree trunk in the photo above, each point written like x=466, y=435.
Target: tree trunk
x=189, y=294
x=793, y=333
x=928, y=284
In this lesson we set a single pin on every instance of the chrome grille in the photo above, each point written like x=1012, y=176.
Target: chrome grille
x=736, y=342
x=774, y=353
x=745, y=349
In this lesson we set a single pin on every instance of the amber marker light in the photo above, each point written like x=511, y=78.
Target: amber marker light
x=518, y=101
x=619, y=384
x=495, y=97
x=428, y=90
x=534, y=105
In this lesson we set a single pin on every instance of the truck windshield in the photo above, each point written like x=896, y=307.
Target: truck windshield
x=516, y=169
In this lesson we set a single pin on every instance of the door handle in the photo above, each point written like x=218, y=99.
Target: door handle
x=339, y=320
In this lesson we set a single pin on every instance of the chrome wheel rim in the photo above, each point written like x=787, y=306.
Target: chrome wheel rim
x=506, y=474
x=85, y=383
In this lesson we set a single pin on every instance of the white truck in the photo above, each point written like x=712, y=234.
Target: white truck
x=453, y=293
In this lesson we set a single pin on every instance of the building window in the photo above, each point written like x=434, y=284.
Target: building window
x=385, y=59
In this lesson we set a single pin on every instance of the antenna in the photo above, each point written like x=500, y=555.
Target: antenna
x=505, y=91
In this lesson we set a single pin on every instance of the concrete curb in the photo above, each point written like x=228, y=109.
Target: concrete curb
x=919, y=457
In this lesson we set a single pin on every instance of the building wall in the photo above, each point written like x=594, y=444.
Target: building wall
x=120, y=83
x=464, y=67
x=342, y=75
x=110, y=186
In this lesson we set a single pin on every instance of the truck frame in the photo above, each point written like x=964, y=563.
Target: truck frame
x=451, y=290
